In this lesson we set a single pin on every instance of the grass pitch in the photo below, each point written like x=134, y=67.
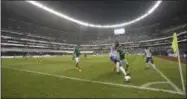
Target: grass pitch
x=56, y=77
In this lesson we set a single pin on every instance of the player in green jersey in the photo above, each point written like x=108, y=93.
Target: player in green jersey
x=76, y=57
x=122, y=57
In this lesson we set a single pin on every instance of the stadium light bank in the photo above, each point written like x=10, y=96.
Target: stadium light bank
x=80, y=22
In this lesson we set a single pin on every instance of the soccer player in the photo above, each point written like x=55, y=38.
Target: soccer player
x=148, y=58
x=76, y=57
x=39, y=58
x=85, y=55
x=115, y=59
x=122, y=57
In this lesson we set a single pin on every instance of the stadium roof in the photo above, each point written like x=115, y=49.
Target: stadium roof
x=98, y=12
x=88, y=24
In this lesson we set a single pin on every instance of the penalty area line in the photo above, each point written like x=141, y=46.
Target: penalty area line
x=97, y=82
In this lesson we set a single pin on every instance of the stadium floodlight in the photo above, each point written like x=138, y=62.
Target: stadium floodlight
x=151, y=10
x=119, y=31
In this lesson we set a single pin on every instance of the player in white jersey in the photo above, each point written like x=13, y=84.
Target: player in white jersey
x=114, y=57
x=148, y=58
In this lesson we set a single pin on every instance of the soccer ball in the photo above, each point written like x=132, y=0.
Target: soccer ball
x=127, y=78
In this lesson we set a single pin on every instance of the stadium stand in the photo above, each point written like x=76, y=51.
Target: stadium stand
x=21, y=37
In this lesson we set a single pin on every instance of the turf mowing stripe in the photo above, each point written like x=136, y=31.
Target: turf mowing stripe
x=98, y=82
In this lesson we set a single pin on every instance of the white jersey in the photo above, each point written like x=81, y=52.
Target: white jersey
x=113, y=52
x=148, y=53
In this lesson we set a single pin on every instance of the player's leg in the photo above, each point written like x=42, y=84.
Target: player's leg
x=113, y=59
x=121, y=68
x=77, y=63
x=147, y=62
x=152, y=62
x=126, y=64
x=41, y=58
x=117, y=62
x=117, y=65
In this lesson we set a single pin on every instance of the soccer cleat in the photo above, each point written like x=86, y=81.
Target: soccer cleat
x=80, y=70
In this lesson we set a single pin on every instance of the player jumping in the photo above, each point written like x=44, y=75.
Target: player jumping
x=76, y=57
x=148, y=58
x=114, y=58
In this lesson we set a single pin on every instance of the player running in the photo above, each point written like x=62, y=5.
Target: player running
x=114, y=57
x=122, y=57
x=148, y=58
x=76, y=57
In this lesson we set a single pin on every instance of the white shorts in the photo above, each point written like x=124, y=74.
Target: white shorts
x=76, y=59
x=124, y=61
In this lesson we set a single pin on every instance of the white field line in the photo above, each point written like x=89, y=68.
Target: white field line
x=169, y=81
x=98, y=82
x=151, y=83
x=180, y=70
x=173, y=62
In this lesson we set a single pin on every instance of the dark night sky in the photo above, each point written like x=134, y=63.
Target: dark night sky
x=117, y=11
x=103, y=12
x=98, y=12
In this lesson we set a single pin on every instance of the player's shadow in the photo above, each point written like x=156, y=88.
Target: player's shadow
x=71, y=70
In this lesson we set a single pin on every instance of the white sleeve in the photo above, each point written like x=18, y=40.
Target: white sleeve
x=110, y=51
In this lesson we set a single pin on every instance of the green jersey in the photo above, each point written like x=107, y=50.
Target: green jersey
x=77, y=52
x=121, y=54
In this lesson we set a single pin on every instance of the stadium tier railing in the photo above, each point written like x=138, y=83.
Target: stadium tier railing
x=164, y=38
x=67, y=48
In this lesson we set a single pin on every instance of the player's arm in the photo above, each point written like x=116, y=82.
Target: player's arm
x=73, y=55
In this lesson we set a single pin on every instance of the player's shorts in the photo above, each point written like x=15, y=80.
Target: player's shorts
x=122, y=58
x=149, y=59
x=76, y=59
x=113, y=59
x=124, y=61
